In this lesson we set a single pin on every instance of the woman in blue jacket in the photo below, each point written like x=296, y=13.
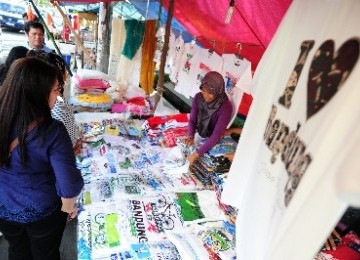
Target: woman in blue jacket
x=39, y=181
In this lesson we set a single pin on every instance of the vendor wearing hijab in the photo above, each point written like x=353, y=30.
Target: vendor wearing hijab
x=210, y=114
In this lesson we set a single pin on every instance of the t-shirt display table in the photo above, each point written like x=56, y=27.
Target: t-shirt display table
x=140, y=200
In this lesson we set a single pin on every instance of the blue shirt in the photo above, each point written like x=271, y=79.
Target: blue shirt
x=43, y=48
x=30, y=193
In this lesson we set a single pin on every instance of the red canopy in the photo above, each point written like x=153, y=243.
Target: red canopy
x=253, y=24
x=249, y=32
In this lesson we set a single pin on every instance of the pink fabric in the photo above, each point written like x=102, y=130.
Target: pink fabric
x=92, y=83
x=90, y=90
x=138, y=110
x=118, y=108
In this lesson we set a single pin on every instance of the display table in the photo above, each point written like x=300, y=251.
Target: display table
x=140, y=201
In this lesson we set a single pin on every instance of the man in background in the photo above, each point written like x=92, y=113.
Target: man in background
x=35, y=33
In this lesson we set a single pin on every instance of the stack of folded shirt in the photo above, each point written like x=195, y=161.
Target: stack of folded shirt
x=169, y=128
x=91, y=102
x=88, y=87
x=90, y=81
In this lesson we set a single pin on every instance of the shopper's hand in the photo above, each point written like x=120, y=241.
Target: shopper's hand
x=332, y=241
x=78, y=145
x=73, y=214
x=68, y=206
x=193, y=157
x=72, y=211
x=188, y=141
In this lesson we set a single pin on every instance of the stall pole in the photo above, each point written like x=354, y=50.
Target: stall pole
x=103, y=42
x=160, y=85
x=78, y=41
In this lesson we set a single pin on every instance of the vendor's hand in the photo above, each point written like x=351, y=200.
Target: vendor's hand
x=227, y=132
x=235, y=130
x=193, y=157
x=230, y=156
x=332, y=241
x=188, y=141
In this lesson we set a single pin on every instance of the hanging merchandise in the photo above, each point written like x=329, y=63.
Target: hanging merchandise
x=147, y=59
x=175, y=58
x=117, y=40
x=134, y=37
x=187, y=71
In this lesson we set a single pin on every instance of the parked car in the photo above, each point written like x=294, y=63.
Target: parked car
x=11, y=15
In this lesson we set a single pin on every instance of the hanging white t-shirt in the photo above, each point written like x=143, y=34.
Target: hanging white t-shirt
x=129, y=70
x=159, y=43
x=134, y=76
x=118, y=35
x=299, y=136
x=193, y=70
x=234, y=68
x=245, y=81
x=170, y=53
x=187, y=71
x=175, y=58
x=205, y=61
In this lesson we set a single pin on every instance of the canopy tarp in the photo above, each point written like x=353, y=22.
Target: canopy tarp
x=249, y=32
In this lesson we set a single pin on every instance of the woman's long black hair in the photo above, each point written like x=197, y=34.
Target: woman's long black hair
x=15, y=53
x=24, y=97
x=53, y=59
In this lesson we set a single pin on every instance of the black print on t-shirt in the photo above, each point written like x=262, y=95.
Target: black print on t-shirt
x=328, y=72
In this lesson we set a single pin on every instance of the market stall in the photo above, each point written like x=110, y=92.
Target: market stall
x=142, y=201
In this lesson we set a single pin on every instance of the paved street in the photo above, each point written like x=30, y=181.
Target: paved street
x=9, y=39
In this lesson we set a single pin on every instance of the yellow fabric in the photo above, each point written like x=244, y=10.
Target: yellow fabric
x=147, y=60
x=97, y=99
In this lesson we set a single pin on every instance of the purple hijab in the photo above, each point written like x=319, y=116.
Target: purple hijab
x=214, y=83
